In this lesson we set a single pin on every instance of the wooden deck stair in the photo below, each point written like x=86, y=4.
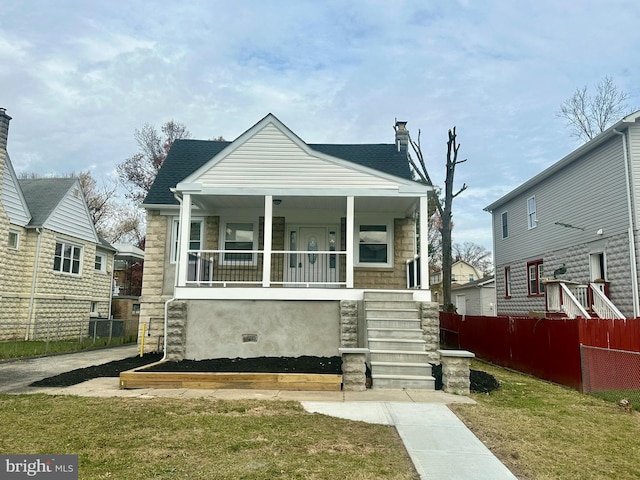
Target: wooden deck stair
x=396, y=344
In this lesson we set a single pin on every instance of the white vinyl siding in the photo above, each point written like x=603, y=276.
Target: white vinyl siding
x=588, y=193
x=12, y=199
x=271, y=159
x=71, y=217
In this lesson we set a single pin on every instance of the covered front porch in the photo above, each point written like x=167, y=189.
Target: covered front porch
x=311, y=246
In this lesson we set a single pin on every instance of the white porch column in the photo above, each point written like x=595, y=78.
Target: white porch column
x=424, y=243
x=184, y=235
x=268, y=233
x=349, y=232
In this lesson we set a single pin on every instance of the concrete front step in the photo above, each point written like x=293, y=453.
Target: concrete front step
x=388, y=295
x=393, y=304
x=403, y=381
x=396, y=368
x=408, y=333
x=406, y=324
x=388, y=313
x=398, y=356
x=398, y=344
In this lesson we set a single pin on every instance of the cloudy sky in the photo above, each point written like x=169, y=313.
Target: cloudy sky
x=79, y=77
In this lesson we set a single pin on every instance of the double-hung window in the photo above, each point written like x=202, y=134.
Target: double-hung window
x=67, y=258
x=534, y=277
x=505, y=225
x=239, y=236
x=531, y=212
x=196, y=235
x=101, y=262
x=375, y=245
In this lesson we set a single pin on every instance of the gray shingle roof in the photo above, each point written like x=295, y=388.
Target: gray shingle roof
x=186, y=156
x=43, y=195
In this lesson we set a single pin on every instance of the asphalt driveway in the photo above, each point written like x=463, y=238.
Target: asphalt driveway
x=16, y=375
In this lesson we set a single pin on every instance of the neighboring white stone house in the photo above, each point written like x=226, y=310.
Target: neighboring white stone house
x=267, y=245
x=476, y=297
x=55, y=271
x=566, y=241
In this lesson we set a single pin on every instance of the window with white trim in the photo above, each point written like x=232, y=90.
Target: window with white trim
x=14, y=239
x=196, y=236
x=507, y=282
x=531, y=212
x=101, y=262
x=375, y=245
x=505, y=225
x=239, y=236
x=67, y=258
x=534, y=277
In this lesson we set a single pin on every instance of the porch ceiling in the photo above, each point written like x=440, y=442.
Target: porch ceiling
x=362, y=204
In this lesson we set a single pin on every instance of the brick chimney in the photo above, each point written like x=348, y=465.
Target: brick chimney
x=4, y=128
x=402, y=136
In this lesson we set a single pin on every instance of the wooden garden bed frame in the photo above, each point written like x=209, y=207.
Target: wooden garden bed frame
x=140, y=378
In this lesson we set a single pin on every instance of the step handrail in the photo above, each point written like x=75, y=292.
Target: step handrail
x=602, y=305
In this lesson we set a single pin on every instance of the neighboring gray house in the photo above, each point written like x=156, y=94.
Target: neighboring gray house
x=269, y=246
x=566, y=241
x=475, y=298
x=55, y=270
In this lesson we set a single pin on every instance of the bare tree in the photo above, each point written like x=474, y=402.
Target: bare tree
x=444, y=211
x=589, y=115
x=128, y=226
x=475, y=255
x=138, y=172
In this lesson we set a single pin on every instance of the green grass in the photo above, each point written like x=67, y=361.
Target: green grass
x=158, y=438
x=545, y=431
x=616, y=395
x=19, y=349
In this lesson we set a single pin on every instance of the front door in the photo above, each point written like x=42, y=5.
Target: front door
x=311, y=263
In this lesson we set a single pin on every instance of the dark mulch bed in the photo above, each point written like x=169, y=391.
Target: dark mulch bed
x=481, y=382
x=304, y=364
x=111, y=369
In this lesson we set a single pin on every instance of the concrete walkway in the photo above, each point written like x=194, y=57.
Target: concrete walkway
x=440, y=445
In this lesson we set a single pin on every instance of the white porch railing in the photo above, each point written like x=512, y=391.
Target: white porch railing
x=601, y=303
x=246, y=268
x=578, y=300
x=570, y=304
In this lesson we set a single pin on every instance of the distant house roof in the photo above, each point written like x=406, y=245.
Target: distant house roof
x=43, y=196
x=481, y=282
x=126, y=250
x=186, y=156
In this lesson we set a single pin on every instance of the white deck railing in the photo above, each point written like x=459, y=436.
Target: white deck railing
x=245, y=268
x=578, y=300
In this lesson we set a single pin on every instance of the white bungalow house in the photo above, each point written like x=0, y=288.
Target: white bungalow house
x=566, y=241
x=270, y=246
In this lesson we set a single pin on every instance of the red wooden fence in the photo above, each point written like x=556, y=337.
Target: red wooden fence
x=544, y=347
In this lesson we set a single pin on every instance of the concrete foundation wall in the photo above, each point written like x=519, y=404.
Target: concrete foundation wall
x=244, y=328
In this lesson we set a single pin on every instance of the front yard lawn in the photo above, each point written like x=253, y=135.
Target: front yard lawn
x=123, y=438
x=545, y=431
